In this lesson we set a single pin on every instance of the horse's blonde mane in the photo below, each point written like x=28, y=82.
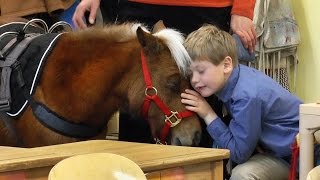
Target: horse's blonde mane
x=172, y=38
x=124, y=32
x=116, y=32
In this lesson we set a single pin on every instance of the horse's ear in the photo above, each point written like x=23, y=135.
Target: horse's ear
x=149, y=43
x=142, y=36
x=158, y=26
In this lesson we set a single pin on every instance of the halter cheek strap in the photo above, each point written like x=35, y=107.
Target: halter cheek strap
x=172, y=118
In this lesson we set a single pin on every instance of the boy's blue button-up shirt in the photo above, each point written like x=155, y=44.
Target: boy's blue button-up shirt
x=262, y=112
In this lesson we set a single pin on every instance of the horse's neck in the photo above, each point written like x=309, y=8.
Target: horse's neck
x=92, y=78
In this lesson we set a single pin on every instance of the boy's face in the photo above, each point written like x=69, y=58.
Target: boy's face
x=207, y=78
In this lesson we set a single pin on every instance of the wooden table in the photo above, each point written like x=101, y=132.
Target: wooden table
x=157, y=161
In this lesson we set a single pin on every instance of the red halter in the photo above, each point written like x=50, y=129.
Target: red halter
x=178, y=116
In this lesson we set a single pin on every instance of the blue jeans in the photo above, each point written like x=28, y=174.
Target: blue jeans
x=261, y=167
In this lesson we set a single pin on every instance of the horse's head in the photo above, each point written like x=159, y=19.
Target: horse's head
x=166, y=62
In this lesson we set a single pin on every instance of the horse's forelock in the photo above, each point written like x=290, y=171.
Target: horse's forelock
x=174, y=40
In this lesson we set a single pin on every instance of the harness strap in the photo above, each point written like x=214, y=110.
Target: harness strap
x=10, y=44
x=10, y=63
x=58, y=124
x=4, y=104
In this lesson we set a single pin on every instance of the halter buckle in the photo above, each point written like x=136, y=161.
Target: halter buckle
x=158, y=141
x=168, y=119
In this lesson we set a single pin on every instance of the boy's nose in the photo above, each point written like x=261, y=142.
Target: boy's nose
x=194, y=78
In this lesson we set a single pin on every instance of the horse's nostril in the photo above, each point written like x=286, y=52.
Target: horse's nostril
x=197, y=138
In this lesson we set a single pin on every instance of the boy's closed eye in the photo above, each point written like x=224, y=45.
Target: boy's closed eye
x=201, y=72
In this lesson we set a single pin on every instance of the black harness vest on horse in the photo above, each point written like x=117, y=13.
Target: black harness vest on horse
x=31, y=60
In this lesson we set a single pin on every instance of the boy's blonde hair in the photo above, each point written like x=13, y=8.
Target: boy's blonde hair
x=211, y=42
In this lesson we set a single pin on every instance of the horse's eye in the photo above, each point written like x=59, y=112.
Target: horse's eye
x=174, y=83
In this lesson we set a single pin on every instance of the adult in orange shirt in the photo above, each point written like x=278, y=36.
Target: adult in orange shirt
x=184, y=15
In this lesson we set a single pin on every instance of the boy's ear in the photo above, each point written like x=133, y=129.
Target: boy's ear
x=227, y=64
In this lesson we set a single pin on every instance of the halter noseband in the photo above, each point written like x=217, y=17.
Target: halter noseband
x=172, y=118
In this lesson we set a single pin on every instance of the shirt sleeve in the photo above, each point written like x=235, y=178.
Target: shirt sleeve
x=243, y=132
x=243, y=8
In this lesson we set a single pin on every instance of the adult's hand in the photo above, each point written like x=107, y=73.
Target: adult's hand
x=85, y=5
x=244, y=27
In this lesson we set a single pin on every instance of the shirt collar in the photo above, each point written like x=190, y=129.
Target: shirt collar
x=226, y=92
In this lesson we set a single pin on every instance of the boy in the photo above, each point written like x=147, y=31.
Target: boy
x=263, y=113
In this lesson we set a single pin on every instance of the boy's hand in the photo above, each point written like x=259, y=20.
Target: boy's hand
x=196, y=103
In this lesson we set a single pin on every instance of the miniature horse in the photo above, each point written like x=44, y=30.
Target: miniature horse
x=92, y=73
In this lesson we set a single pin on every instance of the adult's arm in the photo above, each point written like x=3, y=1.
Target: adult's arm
x=242, y=24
